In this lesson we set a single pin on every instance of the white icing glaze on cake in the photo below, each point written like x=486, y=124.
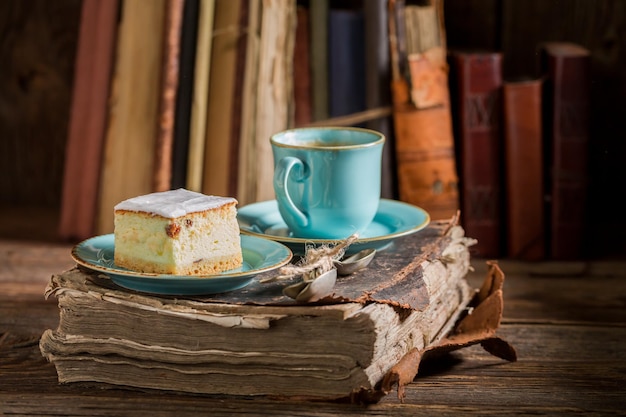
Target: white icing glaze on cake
x=174, y=203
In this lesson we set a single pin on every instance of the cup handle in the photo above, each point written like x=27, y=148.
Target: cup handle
x=284, y=168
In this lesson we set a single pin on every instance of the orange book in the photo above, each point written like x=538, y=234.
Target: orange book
x=424, y=142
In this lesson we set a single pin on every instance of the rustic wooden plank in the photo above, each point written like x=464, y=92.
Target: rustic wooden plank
x=570, y=368
x=567, y=323
x=579, y=291
x=32, y=262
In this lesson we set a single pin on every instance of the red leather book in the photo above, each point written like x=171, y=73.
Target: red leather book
x=88, y=118
x=303, y=110
x=523, y=169
x=566, y=68
x=478, y=78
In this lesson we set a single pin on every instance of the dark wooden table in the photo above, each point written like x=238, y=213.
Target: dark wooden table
x=567, y=322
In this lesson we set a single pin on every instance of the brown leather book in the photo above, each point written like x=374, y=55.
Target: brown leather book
x=424, y=144
x=478, y=78
x=566, y=67
x=523, y=169
x=162, y=169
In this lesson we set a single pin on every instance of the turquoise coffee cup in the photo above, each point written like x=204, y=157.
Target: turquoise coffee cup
x=327, y=179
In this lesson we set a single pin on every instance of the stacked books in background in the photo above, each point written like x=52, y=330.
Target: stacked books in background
x=522, y=152
x=186, y=93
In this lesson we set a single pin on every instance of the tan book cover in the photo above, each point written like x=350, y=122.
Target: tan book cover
x=274, y=89
x=202, y=71
x=222, y=79
x=128, y=158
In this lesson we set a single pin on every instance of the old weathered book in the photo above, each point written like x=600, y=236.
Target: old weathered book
x=354, y=343
x=523, y=169
x=274, y=90
x=566, y=68
x=424, y=144
x=478, y=89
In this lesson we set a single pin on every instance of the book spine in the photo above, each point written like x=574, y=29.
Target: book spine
x=221, y=98
x=346, y=66
x=318, y=15
x=567, y=70
x=238, y=100
x=274, y=96
x=523, y=168
x=133, y=108
x=184, y=96
x=200, y=98
x=302, y=69
x=478, y=76
x=378, y=92
x=425, y=154
x=88, y=118
x=424, y=144
x=162, y=169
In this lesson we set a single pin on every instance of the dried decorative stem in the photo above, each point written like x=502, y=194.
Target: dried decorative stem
x=316, y=261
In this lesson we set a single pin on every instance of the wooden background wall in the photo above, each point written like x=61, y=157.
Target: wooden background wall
x=37, y=46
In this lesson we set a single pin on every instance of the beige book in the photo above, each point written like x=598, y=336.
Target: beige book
x=202, y=71
x=218, y=137
x=245, y=170
x=129, y=149
x=274, y=88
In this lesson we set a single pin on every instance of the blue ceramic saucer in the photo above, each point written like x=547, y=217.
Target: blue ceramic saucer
x=393, y=220
x=259, y=255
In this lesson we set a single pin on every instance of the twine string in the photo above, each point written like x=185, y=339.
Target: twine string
x=316, y=261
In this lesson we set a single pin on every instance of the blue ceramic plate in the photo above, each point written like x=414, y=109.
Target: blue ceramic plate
x=259, y=255
x=393, y=219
